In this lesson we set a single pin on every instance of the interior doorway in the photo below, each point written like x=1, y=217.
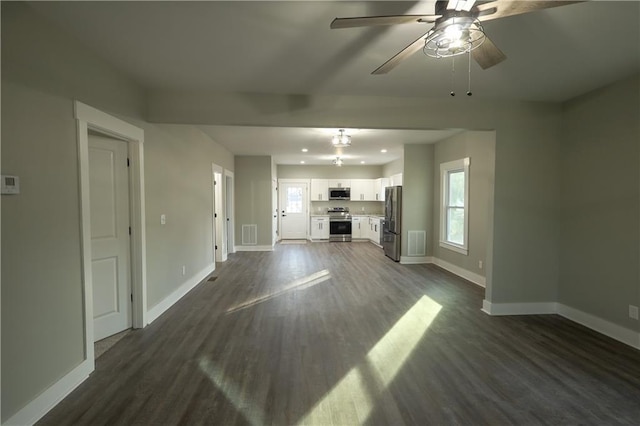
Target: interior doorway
x=92, y=120
x=229, y=206
x=219, y=242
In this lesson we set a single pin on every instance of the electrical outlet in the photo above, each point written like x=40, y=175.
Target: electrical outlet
x=633, y=312
x=480, y=264
x=163, y=219
x=184, y=270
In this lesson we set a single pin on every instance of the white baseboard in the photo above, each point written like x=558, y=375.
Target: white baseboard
x=160, y=308
x=536, y=308
x=43, y=403
x=615, y=331
x=254, y=248
x=461, y=272
x=415, y=260
x=602, y=326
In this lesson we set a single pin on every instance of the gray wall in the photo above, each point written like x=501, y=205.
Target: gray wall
x=417, y=193
x=42, y=321
x=600, y=203
x=329, y=172
x=178, y=179
x=253, y=199
x=393, y=168
x=480, y=148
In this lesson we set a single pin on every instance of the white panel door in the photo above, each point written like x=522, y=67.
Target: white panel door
x=109, y=193
x=293, y=210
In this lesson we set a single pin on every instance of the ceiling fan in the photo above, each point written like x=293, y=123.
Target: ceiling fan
x=457, y=29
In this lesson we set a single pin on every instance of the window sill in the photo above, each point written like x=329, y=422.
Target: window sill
x=453, y=247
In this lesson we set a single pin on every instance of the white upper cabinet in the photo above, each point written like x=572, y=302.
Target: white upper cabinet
x=339, y=183
x=379, y=185
x=319, y=189
x=363, y=190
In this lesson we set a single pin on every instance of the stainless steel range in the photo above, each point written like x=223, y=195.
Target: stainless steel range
x=339, y=224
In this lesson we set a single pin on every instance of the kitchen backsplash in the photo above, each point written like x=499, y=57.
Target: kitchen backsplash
x=355, y=207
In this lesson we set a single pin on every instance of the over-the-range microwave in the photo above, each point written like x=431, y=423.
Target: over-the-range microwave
x=339, y=193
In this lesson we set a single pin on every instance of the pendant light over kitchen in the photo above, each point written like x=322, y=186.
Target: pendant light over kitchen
x=341, y=140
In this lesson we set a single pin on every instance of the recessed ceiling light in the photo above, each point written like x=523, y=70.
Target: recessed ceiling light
x=383, y=150
x=362, y=162
x=302, y=162
x=304, y=150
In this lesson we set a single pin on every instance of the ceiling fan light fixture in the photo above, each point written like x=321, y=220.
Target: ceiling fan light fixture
x=341, y=140
x=454, y=36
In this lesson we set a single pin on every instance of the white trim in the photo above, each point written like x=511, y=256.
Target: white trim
x=415, y=260
x=535, y=308
x=454, y=247
x=107, y=123
x=229, y=210
x=602, y=326
x=450, y=166
x=90, y=118
x=179, y=293
x=43, y=403
x=254, y=248
x=615, y=331
x=461, y=272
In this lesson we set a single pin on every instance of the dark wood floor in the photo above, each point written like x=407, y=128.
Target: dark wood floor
x=336, y=333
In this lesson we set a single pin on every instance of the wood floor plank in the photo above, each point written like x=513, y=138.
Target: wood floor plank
x=311, y=334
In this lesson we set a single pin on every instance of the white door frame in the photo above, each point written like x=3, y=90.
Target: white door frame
x=219, y=255
x=307, y=182
x=229, y=210
x=90, y=118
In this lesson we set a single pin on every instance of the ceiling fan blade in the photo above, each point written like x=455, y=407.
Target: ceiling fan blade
x=487, y=54
x=400, y=56
x=501, y=9
x=370, y=21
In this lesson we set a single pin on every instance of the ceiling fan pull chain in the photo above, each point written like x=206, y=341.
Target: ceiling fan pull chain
x=469, y=87
x=453, y=72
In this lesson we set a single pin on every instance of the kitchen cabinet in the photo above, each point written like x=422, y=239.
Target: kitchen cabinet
x=339, y=183
x=319, y=189
x=363, y=190
x=357, y=226
x=375, y=230
x=379, y=185
x=319, y=227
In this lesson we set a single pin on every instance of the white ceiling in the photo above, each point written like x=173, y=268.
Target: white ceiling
x=288, y=48
x=285, y=144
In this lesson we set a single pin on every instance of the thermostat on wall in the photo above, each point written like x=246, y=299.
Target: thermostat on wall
x=10, y=184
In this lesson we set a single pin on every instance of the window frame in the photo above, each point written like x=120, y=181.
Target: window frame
x=461, y=165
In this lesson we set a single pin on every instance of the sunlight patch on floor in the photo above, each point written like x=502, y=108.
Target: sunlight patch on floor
x=299, y=284
x=352, y=400
x=253, y=414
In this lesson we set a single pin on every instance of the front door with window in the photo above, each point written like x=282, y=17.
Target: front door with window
x=293, y=210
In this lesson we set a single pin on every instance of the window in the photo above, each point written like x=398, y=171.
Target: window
x=454, y=214
x=294, y=199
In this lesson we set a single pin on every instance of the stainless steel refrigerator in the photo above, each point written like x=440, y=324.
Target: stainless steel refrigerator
x=391, y=228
